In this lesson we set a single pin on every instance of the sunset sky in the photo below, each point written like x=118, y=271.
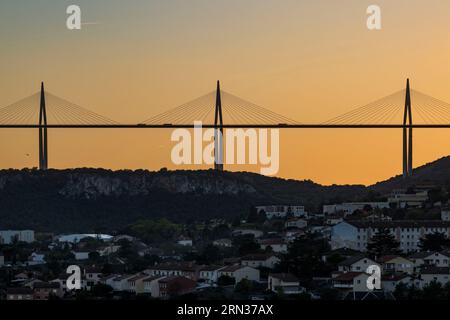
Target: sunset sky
x=308, y=60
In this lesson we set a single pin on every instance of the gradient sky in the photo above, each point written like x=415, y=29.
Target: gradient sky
x=308, y=60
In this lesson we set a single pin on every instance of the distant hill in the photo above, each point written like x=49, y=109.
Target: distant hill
x=86, y=200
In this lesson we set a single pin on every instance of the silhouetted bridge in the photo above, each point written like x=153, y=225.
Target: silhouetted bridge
x=44, y=111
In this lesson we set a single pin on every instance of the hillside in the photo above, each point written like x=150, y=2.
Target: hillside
x=89, y=199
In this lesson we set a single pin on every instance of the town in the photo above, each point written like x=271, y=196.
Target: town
x=275, y=251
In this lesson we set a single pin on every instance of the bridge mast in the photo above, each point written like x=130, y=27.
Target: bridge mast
x=43, y=155
x=218, y=132
x=407, y=135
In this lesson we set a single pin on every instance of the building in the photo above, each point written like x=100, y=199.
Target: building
x=357, y=234
x=19, y=294
x=296, y=223
x=188, y=270
x=93, y=276
x=390, y=281
x=434, y=259
x=351, y=281
x=45, y=290
x=9, y=236
x=210, y=274
x=81, y=255
x=36, y=258
x=349, y=208
x=238, y=273
x=356, y=264
x=243, y=232
x=403, y=199
x=394, y=264
x=445, y=213
x=151, y=286
x=77, y=237
x=260, y=260
x=175, y=286
x=282, y=211
x=184, y=241
x=276, y=245
x=2, y=259
x=285, y=283
x=434, y=274
x=224, y=243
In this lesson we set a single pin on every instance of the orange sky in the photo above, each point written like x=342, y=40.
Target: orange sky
x=308, y=60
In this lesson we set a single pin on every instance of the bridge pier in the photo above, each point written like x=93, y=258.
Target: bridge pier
x=218, y=132
x=407, y=135
x=43, y=142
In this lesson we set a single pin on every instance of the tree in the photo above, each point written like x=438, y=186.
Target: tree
x=383, y=243
x=225, y=281
x=435, y=241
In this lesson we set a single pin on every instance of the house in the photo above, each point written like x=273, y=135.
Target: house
x=243, y=232
x=19, y=294
x=81, y=255
x=183, y=241
x=445, y=213
x=10, y=236
x=282, y=211
x=209, y=274
x=391, y=281
x=175, y=286
x=285, y=283
x=350, y=207
x=260, y=260
x=107, y=250
x=2, y=259
x=120, y=283
x=436, y=259
x=225, y=243
x=356, y=234
x=36, y=258
x=93, y=276
x=403, y=199
x=277, y=245
x=351, y=281
x=396, y=264
x=136, y=283
x=187, y=270
x=238, y=272
x=434, y=274
x=151, y=285
x=296, y=223
x=77, y=237
x=356, y=264
x=45, y=290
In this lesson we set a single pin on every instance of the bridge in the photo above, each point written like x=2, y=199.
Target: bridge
x=44, y=110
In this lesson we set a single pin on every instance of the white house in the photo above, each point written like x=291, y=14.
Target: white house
x=239, y=272
x=151, y=285
x=225, y=243
x=403, y=199
x=9, y=236
x=81, y=255
x=281, y=211
x=435, y=274
x=277, y=245
x=357, y=234
x=210, y=274
x=185, y=242
x=351, y=281
x=445, y=213
x=36, y=258
x=349, y=208
x=260, y=260
x=296, y=223
x=435, y=259
x=356, y=264
x=390, y=282
x=284, y=282
x=242, y=232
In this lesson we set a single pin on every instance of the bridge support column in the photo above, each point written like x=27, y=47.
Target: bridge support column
x=407, y=135
x=218, y=132
x=43, y=154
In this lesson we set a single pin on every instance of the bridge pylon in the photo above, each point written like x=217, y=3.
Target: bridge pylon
x=407, y=135
x=43, y=142
x=218, y=131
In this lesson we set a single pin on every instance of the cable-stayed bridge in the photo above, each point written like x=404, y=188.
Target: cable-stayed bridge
x=221, y=110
